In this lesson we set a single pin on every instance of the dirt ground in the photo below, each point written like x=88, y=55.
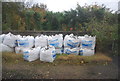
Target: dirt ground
x=20, y=69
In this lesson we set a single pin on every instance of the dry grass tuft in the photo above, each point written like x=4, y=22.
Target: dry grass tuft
x=85, y=59
x=11, y=58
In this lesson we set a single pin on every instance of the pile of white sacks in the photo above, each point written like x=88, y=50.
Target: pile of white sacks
x=79, y=45
x=45, y=47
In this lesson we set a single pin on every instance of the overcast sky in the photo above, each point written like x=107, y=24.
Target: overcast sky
x=61, y=5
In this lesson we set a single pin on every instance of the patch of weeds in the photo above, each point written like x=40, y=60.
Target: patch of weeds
x=13, y=58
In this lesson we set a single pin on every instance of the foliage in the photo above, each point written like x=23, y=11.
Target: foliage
x=106, y=34
x=37, y=17
x=90, y=18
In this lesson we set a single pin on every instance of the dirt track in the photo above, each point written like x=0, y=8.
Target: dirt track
x=62, y=71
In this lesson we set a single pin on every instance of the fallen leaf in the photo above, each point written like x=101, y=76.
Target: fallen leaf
x=48, y=72
x=99, y=73
x=82, y=62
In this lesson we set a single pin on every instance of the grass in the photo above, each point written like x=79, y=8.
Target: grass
x=13, y=58
x=76, y=59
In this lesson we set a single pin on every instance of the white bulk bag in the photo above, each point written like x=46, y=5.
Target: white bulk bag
x=86, y=52
x=74, y=51
x=5, y=48
x=41, y=41
x=25, y=41
x=59, y=50
x=2, y=38
x=47, y=54
x=53, y=41
x=19, y=50
x=31, y=41
x=56, y=41
x=10, y=40
x=31, y=54
x=18, y=37
x=22, y=42
x=80, y=39
x=71, y=41
x=88, y=42
x=60, y=39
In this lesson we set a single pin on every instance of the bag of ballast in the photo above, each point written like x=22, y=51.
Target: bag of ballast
x=31, y=54
x=88, y=42
x=48, y=53
x=41, y=41
x=59, y=50
x=25, y=41
x=74, y=51
x=71, y=41
x=5, y=48
x=10, y=40
x=19, y=50
x=86, y=52
x=56, y=41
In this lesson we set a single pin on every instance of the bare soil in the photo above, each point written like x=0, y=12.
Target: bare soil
x=14, y=67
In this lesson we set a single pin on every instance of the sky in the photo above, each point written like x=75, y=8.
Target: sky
x=65, y=5
x=61, y=5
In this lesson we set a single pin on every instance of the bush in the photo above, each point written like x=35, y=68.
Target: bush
x=106, y=35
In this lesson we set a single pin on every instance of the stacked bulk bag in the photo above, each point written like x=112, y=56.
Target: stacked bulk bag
x=71, y=41
x=87, y=45
x=74, y=51
x=5, y=48
x=19, y=50
x=41, y=41
x=47, y=53
x=86, y=52
x=53, y=41
x=46, y=47
x=80, y=39
x=10, y=40
x=57, y=42
x=88, y=42
x=59, y=50
x=71, y=44
x=25, y=41
x=7, y=42
x=31, y=54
